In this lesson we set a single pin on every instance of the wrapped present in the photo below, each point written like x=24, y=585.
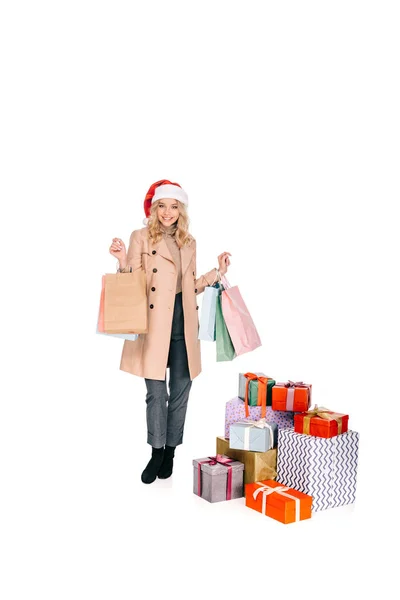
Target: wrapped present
x=278, y=501
x=321, y=422
x=292, y=395
x=258, y=436
x=235, y=411
x=325, y=468
x=257, y=465
x=256, y=390
x=217, y=478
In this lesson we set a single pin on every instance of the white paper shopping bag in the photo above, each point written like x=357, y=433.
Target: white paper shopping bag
x=207, y=316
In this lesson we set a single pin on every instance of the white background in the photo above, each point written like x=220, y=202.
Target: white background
x=281, y=121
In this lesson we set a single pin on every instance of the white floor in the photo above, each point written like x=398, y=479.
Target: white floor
x=78, y=523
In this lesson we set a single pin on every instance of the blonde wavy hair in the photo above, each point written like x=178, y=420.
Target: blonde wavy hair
x=181, y=226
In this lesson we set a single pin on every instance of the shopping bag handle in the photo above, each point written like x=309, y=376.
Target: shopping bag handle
x=225, y=282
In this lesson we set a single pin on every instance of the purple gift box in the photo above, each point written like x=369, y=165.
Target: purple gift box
x=217, y=478
x=235, y=411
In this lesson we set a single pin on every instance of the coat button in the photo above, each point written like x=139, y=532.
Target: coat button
x=153, y=289
x=197, y=308
x=154, y=270
x=154, y=252
x=195, y=291
x=151, y=305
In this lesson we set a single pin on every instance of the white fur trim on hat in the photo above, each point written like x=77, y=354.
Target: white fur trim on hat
x=169, y=190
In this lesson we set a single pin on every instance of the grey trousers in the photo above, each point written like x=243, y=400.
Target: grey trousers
x=166, y=412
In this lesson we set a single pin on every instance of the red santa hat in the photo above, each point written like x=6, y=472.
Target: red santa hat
x=163, y=189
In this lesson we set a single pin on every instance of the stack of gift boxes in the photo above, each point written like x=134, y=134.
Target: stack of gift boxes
x=286, y=459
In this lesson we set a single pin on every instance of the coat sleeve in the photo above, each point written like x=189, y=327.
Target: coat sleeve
x=134, y=255
x=205, y=280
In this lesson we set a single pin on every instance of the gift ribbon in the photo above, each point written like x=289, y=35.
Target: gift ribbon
x=213, y=460
x=261, y=394
x=324, y=413
x=249, y=377
x=266, y=490
x=291, y=388
x=261, y=424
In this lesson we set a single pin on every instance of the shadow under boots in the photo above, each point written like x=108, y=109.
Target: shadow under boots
x=153, y=466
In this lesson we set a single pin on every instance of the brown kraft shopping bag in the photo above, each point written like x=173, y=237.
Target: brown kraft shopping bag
x=125, y=302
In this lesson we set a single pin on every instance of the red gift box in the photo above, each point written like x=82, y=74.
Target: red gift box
x=321, y=422
x=294, y=396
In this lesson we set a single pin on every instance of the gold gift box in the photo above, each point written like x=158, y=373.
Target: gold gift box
x=258, y=466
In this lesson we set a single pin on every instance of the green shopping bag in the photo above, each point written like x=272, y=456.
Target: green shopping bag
x=225, y=349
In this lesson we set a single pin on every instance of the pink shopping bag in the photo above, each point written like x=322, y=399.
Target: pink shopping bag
x=238, y=320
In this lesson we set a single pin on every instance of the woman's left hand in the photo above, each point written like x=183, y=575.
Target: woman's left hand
x=224, y=262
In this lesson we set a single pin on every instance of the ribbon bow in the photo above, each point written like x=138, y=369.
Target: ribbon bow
x=261, y=395
x=291, y=387
x=323, y=413
x=266, y=490
x=291, y=383
x=261, y=423
x=219, y=458
x=213, y=460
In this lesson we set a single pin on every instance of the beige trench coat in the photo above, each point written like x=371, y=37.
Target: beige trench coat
x=148, y=355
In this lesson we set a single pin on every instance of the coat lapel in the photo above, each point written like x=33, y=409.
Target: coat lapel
x=163, y=250
x=186, y=256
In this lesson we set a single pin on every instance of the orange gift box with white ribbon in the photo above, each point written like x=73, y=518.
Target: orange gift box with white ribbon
x=277, y=501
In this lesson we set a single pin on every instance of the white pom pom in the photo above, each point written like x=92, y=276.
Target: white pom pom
x=145, y=221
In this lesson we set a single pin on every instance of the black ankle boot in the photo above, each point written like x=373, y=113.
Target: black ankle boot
x=150, y=473
x=167, y=464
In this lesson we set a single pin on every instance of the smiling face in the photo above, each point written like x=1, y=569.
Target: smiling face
x=167, y=211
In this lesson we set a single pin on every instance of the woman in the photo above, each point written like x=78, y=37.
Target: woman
x=167, y=253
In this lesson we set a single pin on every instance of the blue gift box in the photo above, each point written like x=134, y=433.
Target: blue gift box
x=248, y=436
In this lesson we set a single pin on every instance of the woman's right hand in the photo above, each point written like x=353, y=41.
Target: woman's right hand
x=118, y=250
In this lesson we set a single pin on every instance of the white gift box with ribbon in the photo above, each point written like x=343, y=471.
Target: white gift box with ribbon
x=256, y=436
